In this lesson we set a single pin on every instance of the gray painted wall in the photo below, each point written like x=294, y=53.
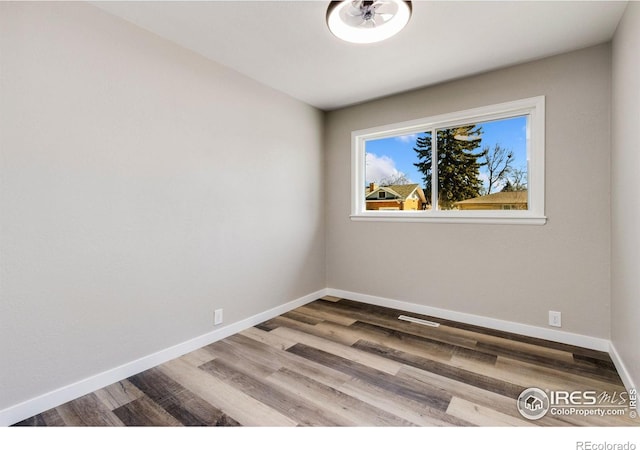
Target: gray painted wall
x=625, y=191
x=136, y=196
x=511, y=272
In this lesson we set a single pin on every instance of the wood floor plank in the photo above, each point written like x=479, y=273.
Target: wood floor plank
x=198, y=357
x=365, y=310
x=331, y=298
x=350, y=410
x=335, y=332
x=531, y=375
x=300, y=316
x=434, y=398
x=267, y=325
x=237, y=350
x=478, y=342
x=387, y=318
x=417, y=345
x=89, y=411
x=233, y=402
x=413, y=411
x=523, y=347
x=473, y=394
x=186, y=407
x=273, y=340
x=303, y=366
x=326, y=329
x=52, y=418
x=33, y=421
x=118, y=394
x=281, y=321
x=460, y=333
x=483, y=416
x=270, y=394
x=365, y=358
x=312, y=309
x=605, y=364
x=540, y=344
x=548, y=378
x=474, y=355
x=468, y=377
x=377, y=314
x=501, y=343
x=594, y=372
x=145, y=412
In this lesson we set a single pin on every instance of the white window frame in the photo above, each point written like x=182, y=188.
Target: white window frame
x=533, y=107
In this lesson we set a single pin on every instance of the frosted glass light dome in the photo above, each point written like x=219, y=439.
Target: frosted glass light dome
x=364, y=22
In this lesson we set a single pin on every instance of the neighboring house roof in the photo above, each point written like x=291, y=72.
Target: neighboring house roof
x=399, y=191
x=499, y=198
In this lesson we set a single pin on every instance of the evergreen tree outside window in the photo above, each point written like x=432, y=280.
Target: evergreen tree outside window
x=457, y=167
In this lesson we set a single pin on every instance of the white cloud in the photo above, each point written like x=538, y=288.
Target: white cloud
x=407, y=138
x=380, y=167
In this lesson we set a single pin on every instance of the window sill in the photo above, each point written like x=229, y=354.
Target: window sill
x=493, y=219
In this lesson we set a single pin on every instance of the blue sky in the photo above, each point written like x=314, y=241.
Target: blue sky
x=394, y=155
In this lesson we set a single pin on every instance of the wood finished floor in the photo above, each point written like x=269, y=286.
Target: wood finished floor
x=336, y=362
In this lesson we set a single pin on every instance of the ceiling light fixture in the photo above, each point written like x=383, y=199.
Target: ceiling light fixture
x=364, y=22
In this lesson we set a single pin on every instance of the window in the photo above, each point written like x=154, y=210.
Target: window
x=482, y=165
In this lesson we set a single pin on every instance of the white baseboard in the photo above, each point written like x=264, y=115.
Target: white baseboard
x=622, y=369
x=487, y=322
x=36, y=405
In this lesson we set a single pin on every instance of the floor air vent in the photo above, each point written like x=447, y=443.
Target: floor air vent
x=420, y=321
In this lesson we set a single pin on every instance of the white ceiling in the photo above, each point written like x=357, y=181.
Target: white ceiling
x=286, y=44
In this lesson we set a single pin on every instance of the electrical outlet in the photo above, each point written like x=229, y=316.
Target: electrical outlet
x=217, y=317
x=555, y=318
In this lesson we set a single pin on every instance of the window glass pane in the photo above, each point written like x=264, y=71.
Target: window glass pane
x=458, y=165
x=395, y=176
x=483, y=166
x=505, y=169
